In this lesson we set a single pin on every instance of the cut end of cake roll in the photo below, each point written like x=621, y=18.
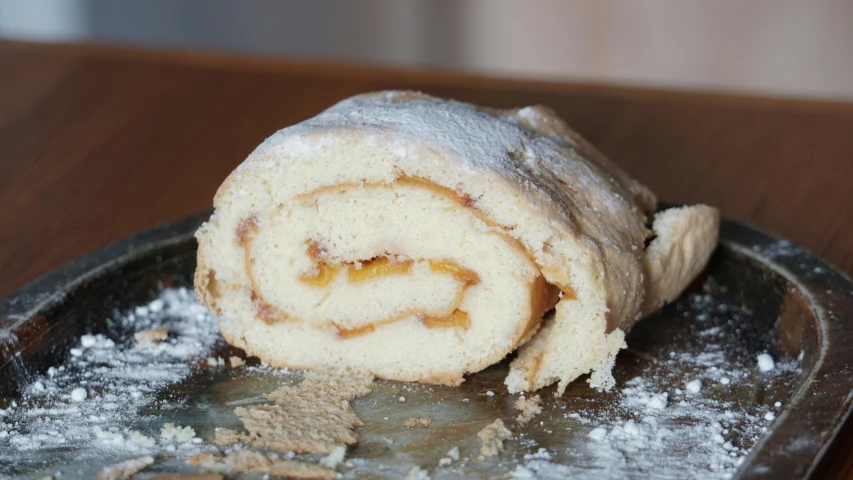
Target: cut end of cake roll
x=420, y=239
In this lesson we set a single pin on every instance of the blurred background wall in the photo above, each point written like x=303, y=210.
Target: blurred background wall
x=779, y=47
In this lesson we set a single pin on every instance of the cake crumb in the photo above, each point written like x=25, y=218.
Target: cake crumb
x=126, y=469
x=314, y=416
x=417, y=422
x=150, y=338
x=453, y=453
x=170, y=432
x=236, y=362
x=529, y=408
x=226, y=436
x=493, y=437
x=248, y=461
x=140, y=439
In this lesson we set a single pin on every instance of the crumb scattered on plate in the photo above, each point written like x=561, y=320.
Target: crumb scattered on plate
x=126, y=469
x=151, y=337
x=530, y=407
x=249, y=461
x=417, y=422
x=493, y=437
x=226, y=436
x=314, y=416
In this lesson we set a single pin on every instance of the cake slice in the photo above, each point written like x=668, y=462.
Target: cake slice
x=421, y=239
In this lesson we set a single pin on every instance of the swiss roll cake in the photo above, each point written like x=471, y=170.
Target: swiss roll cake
x=422, y=239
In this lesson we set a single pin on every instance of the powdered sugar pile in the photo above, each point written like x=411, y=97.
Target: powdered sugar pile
x=766, y=363
x=686, y=438
x=681, y=417
x=73, y=410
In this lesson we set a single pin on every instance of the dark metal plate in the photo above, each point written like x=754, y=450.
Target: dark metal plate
x=758, y=295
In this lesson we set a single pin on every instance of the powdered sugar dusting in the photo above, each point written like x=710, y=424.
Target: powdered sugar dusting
x=685, y=406
x=678, y=418
x=488, y=141
x=74, y=408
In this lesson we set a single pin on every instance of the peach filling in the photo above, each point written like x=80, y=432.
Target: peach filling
x=376, y=268
x=456, y=319
x=355, y=332
x=322, y=277
x=462, y=274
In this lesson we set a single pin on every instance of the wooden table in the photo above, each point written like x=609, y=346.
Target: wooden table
x=98, y=143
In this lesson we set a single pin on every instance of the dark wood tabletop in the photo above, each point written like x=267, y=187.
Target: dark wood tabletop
x=98, y=143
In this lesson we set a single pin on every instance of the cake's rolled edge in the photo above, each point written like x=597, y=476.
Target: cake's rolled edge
x=685, y=238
